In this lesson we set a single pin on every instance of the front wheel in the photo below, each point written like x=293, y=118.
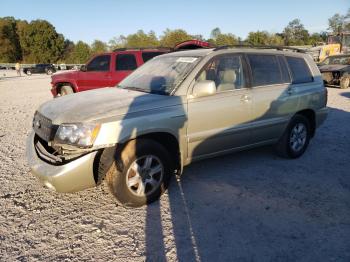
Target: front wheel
x=66, y=90
x=28, y=72
x=49, y=71
x=295, y=139
x=140, y=173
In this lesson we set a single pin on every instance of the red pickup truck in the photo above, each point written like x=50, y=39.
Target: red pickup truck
x=108, y=69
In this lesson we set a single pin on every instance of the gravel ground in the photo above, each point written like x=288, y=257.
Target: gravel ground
x=249, y=206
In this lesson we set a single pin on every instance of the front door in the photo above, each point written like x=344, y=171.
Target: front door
x=220, y=122
x=97, y=75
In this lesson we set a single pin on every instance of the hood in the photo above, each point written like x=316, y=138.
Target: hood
x=330, y=68
x=65, y=73
x=99, y=104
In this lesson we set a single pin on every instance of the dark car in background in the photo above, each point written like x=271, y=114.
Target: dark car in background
x=336, y=71
x=40, y=69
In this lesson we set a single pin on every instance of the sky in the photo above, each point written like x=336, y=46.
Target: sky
x=88, y=20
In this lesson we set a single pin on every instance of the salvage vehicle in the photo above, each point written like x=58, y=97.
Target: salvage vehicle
x=108, y=69
x=40, y=69
x=177, y=108
x=336, y=71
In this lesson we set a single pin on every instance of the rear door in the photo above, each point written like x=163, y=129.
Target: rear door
x=97, y=75
x=124, y=64
x=272, y=99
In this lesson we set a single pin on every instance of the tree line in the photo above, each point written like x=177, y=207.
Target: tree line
x=39, y=42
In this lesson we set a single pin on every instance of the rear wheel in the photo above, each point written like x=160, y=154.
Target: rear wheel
x=295, y=139
x=140, y=173
x=49, y=71
x=66, y=90
x=29, y=73
x=345, y=82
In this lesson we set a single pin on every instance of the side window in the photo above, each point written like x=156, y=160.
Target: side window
x=225, y=71
x=265, y=70
x=149, y=55
x=99, y=63
x=284, y=69
x=299, y=69
x=125, y=62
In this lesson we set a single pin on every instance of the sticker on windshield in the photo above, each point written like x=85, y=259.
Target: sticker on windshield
x=186, y=59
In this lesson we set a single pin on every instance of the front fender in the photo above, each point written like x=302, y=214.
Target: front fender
x=121, y=131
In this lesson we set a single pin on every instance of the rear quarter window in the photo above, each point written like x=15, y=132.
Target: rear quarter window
x=299, y=70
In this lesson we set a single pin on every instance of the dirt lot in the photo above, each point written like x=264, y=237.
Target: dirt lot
x=249, y=206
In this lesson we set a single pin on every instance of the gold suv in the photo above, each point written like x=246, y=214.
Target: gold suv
x=175, y=109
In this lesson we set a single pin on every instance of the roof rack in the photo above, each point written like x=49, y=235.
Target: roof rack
x=279, y=48
x=142, y=48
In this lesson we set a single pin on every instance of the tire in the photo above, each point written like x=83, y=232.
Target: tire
x=28, y=73
x=66, y=90
x=49, y=71
x=295, y=138
x=345, y=82
x=129, y=178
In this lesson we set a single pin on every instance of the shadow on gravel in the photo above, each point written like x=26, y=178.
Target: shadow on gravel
x=255, y=206
x=346, y=94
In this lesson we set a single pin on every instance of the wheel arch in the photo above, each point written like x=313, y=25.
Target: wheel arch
x=105, y=157
x=311, y=116
x=59, y=85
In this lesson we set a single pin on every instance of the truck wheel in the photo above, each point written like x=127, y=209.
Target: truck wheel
x=140, y=173
x=295, y=138
x=345, y=82
x=28, y=72
x=66, y=90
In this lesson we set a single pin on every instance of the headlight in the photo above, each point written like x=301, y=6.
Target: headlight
x=82, y=135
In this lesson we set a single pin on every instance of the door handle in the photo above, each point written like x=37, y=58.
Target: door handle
x=245, y=98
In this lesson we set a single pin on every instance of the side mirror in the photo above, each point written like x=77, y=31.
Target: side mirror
x=83, y=68
x=204, y=88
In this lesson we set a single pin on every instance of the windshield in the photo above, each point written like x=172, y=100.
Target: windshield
x=161, y=75
x=340, y=60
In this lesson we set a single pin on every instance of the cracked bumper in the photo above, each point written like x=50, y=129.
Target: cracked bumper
x=71, y=177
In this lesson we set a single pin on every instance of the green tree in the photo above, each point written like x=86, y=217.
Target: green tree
x=317, y=38
x=98, y=47
x=215, y=33
x=10, y=49
x=22, y=26
x=117, y=42
x=226, y=39
x=172, y=37
x=67, y=51
x=42, y=43
x=335, y=23
x=80, y=53
x=264, y=38
x=295, y=33
x=141, y=39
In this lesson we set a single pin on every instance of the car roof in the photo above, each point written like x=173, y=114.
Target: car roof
x=206, y=51
x=194, y=52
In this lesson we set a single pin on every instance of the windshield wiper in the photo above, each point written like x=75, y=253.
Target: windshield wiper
x=133, y=88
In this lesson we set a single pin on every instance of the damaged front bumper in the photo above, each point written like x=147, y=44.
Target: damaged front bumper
x=73, y=176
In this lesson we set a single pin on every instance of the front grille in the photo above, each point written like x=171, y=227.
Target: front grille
x=43, y=127
x=47, y=153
